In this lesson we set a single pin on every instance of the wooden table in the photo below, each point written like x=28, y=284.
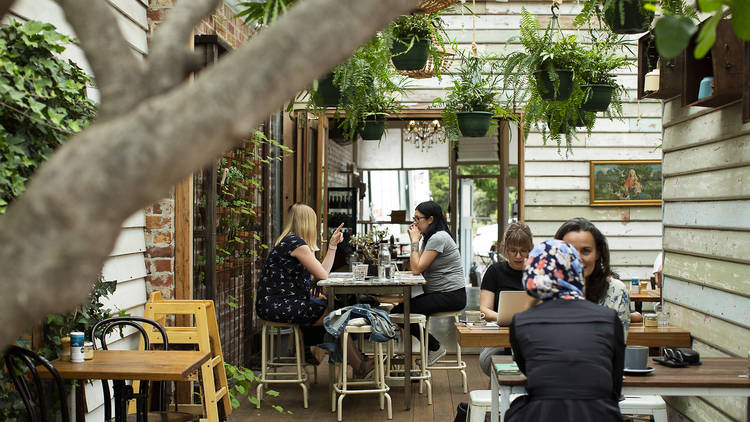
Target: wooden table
x=646, y=295
x=343, y=283
x=715, y=377
x=638, y=335
x=145, y=365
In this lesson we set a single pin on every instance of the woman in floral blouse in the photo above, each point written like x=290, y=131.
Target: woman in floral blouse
x=601, y=283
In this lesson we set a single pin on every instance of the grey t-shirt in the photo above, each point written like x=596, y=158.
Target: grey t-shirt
x=446, y=272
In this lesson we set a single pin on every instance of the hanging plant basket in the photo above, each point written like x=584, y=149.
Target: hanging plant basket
x=413, y=59
x=598, y=97
x=372, y=130
x=432, y=6
x=628, y=17
x=546, y=87
x=429, y=70
x=328, y=94
x=474, y=124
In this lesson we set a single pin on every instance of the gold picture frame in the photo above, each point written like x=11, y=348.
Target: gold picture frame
x=625, y=182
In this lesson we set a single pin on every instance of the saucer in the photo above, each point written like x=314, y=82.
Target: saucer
x=638, y=371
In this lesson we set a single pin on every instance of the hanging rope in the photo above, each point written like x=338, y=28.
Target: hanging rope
x=474, y=28
x=463, y=5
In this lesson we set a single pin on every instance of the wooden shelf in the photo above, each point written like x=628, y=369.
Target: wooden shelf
x=670, y=70
x=724, y=62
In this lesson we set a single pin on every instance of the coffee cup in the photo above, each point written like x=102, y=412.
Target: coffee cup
x=474, y=316
x=636, y=357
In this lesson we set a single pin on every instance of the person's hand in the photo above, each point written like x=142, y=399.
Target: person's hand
x=414, y=233
x=336, y=237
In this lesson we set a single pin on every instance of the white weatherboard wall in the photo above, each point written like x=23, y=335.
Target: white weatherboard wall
x=126, y=263
x=556, y=186
x=707, y=239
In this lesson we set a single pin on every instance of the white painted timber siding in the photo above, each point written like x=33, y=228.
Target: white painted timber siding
x=556, y=185
x=707, y=239
x=126, y=262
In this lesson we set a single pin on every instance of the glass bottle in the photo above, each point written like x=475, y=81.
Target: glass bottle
x=384, y=261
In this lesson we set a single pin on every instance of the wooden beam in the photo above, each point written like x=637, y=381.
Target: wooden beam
x=183, y=239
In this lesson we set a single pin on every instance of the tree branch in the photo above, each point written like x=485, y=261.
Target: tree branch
x=118, y=73
x=55, y=238
x=5, y=5
x=170, y=62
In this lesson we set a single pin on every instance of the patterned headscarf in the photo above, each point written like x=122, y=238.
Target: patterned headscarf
x=554, y=271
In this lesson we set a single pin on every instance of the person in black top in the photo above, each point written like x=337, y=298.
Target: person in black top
x=503, y=275
x=571, y=350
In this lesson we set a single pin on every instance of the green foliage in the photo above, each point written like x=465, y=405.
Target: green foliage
x=367, y=244
x=242, y=384
x=596, y=9
x=440, y=188
x=263, y=12
x=55, y=326
x=42, y=101
x=473, y=89
x=419, y=26
x=368, y=83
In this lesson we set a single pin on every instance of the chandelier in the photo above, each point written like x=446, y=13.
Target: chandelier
x=423, y=133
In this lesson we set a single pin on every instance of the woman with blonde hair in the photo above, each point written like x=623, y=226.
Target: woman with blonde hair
x=501, y=276
x=287, y=281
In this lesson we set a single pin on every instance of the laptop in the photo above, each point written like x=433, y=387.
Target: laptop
x=512, y=302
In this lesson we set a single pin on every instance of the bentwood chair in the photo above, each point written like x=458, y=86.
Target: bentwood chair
x=142, y=396
x=26, y=379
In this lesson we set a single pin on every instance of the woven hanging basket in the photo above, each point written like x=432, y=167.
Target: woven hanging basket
x=428, y=71
x=432, y=6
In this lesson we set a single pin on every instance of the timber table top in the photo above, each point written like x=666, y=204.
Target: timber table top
x=347, y=279
x=713, y=373
x=638, y=335
x=146, y=365
x=647, y=295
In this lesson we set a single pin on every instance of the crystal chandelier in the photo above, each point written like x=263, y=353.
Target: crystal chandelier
x=423, y=133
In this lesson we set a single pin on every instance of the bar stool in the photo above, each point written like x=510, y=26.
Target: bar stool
x=275, y=336
x=448, y=364
x=480, y=402
x=645, y=405
x=344, y=386
x=269, y=367
x=422, y=373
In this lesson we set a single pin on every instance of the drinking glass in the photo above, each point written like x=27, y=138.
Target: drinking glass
x=360, y=272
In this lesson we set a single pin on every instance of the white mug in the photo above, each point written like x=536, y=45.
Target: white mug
x=474, y=316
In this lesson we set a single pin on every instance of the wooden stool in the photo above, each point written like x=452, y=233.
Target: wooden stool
x=269, y=365
x=422, y=373
x=457, y=364
x=343, y=385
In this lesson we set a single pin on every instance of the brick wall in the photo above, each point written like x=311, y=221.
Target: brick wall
x=159, y=231
x=340, y=161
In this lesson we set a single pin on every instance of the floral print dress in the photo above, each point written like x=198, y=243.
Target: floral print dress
x=618, y=298
x=284, y=287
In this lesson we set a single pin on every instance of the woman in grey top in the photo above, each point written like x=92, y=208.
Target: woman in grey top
x=440, y=263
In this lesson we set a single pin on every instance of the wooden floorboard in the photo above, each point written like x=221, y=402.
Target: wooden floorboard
x=446, y=395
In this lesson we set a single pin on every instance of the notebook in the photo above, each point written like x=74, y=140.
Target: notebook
x=511, y=303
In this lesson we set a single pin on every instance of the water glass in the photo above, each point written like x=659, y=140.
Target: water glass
x=663, y=318
x=360, y=272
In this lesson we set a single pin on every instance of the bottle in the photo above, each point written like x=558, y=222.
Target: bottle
x=384, y=261
x=635, y=286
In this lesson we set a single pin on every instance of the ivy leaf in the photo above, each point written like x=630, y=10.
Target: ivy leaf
x=32, y=27
x=741, y=18
x=673, y=34
x=36, y=107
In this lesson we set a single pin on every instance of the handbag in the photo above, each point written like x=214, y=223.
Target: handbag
x=679, y=357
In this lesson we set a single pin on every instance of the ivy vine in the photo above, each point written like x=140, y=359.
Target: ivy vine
x=42, y=101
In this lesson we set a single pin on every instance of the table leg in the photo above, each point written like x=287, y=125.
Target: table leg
x=121, y=411
x=505, y=392
x=494, y=397
x=407, y=347
x=331, y=366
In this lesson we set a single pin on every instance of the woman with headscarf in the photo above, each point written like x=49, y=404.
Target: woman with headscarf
x=571, y=350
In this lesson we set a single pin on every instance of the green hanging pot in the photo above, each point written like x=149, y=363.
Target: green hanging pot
x=598, y=97
x=546, y=87
x=372, y=130
x=413, y=59
x=628, y=17
x=474, y=124
x=328, y=94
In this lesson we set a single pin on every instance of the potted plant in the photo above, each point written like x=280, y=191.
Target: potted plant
x=415, y=38
x=471, y=102
x=366, y=246
x=596, y=70
x=622, y=16
x=369, y=85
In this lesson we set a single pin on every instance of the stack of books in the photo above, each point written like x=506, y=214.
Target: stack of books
x=507, y=368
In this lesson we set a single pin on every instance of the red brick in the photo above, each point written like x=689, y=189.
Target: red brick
x=161, y=265
x=157, y=222
x=159, y=251
x=163, y=237
x=156, y=209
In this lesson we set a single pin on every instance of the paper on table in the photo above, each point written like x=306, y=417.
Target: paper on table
x=507, y=368
x=483, y=326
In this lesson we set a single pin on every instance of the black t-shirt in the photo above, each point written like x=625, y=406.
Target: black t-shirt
x=500, y=276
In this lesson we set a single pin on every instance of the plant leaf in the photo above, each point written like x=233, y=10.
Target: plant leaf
x=741, y=18
x=673, y=34
x=708, y=6
x=707, y=36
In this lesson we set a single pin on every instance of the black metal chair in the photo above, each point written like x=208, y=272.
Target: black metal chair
x=124, y=393
x=33, y=395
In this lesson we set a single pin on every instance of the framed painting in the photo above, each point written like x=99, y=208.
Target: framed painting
x=625, y=183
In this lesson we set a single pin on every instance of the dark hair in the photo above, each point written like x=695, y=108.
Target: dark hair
x=596, y=283
x=432, y=209
x=517, y=233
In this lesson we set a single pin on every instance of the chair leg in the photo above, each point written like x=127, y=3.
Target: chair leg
x=299, y=350
x=459, y=362
x=263, y=362
x=660, y=415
